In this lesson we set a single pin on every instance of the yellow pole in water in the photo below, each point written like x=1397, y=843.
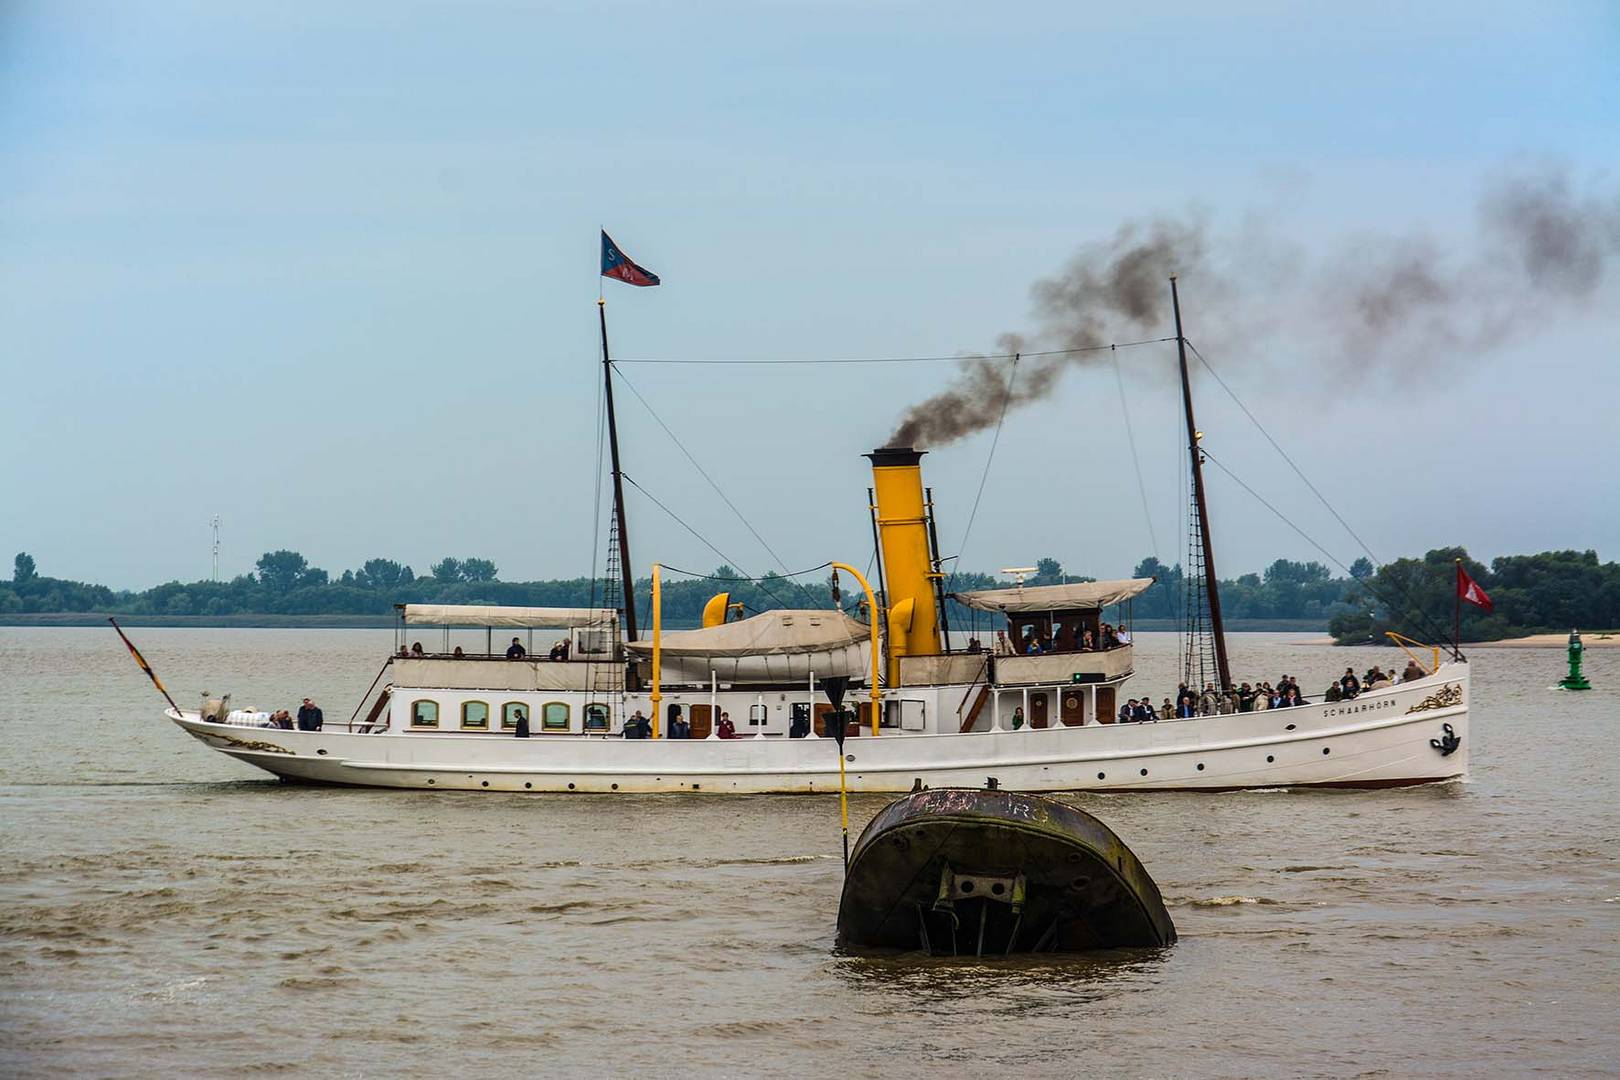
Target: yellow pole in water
x=658, y=641
x=877, y=692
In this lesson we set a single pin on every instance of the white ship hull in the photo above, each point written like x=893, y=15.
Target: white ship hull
x=1390, y=737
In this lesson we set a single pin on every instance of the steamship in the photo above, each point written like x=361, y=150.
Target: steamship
x=743, y=705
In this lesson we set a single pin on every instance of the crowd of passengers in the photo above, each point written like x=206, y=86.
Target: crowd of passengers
x=1261, y=696
x=515, y=651
x=1037, y=642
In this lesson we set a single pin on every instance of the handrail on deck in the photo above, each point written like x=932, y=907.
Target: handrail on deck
x=984, y=668
x=1403, y=641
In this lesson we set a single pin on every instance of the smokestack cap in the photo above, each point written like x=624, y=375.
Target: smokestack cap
x=889, y=456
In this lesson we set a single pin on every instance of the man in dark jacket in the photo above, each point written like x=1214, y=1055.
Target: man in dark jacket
x=309, y=716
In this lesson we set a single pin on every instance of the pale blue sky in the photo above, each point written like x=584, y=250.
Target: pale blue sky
x=329, y=271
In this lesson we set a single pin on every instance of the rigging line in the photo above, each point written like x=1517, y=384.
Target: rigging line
x=1130, y=437
x=704, y=473
x=729, y=561
x=742, y=577
x=1006, y=400
x=1407, y=601
x=1013, y=357
x=1297, y=471
x=596, y=510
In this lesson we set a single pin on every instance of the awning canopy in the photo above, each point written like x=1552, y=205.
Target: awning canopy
x=1079, y=597
x=770, y=633
x=509, y=617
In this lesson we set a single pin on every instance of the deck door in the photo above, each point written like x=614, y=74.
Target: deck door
x=701, y=718
x=1072, y=709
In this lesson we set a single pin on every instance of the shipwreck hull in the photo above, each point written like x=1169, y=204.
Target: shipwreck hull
x=971, y=872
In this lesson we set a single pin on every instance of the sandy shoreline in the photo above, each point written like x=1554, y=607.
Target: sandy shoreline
x=1592, y=639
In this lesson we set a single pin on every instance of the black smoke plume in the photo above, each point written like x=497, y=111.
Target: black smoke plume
x=1540, y=248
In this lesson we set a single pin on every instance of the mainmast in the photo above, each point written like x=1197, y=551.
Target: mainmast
x=1211, y=589
x=626, y=568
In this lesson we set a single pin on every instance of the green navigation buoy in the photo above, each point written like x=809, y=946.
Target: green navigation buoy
x=1574, y=680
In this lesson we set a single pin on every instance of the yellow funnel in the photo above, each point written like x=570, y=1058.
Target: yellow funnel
x=908, y=566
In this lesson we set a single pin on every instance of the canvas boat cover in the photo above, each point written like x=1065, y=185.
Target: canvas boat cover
x=773, y=647
x=509, y=617
x=1033, y=598
x=770, y=633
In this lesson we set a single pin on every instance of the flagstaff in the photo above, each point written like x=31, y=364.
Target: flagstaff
x=615, y=265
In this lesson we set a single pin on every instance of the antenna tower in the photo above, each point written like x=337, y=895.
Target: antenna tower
x=215, y=524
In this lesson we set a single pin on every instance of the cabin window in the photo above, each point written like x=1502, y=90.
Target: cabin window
x=596, y=717
x=757, y=715
x=554, y=716
x=424, y=714
x=475, y=715
x=596, y=642
x=511, y=713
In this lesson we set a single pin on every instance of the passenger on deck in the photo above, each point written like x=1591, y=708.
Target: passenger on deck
x=679, y=727
x=1127, y=712
x=974, y=645
x=281, y=719
x=1414, y=671
x=1262, y=698
x=516, y=651
x=1166, y=710
x=1123, y=636
x=1349, y=685
x=1109, y=640
x=309, y=716
x=725, y=728
x=522, y=730
x=1087, y=642
x=457, y=654
x=1143, y=713
x=1208, y=701
x=1186, y=702
x=1018, y=717
x=638, y=726
x=416, y=648
x=1333, y=693
x=1291, y=698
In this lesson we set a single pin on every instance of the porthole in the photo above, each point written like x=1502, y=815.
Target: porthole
x=1325, y=750
x=1102, y=776
x=1200, y=766
x=967, y=886
x=694, y=787
x=485, y=783
x=430, y=781
x=1144, y=772
x=527, y=785
x=1269, y=759
x=615, y=787
x=1290, y=727
x=570, y=787
x=322, y=753
x=998, y=888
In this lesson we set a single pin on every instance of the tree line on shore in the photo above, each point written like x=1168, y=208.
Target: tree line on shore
x=1553, y=590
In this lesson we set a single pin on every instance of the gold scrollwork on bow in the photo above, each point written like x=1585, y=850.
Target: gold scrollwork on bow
x=251, y=744
x=1443, y=698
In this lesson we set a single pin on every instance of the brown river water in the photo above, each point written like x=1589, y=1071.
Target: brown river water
x=165, y=911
